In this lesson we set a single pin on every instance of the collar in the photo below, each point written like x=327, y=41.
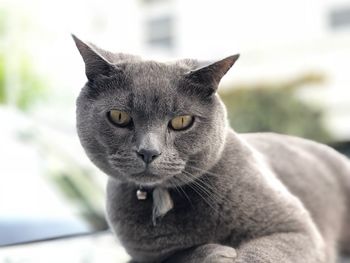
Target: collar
x=162, y=201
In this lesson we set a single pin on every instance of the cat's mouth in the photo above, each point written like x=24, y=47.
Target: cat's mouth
x=147, y=178
x=148, y=175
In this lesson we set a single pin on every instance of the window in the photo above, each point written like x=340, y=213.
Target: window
x=159, y=33
x=340, y=18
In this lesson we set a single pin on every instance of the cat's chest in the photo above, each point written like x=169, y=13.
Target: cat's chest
x=191, y=221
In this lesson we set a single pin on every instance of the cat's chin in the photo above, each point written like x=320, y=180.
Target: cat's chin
x=147, y=179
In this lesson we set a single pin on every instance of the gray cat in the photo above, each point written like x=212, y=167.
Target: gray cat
x=184, y=187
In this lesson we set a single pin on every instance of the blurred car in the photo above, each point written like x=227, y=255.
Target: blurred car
x=93, y=248
x=51, y=200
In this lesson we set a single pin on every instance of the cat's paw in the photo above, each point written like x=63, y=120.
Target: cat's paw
x=221, y=254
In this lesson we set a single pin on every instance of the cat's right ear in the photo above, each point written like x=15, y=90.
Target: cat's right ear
x=207, y=78
x=95, y=64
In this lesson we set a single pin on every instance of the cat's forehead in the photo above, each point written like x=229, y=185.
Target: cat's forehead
x=144, y=73
x=154, y=87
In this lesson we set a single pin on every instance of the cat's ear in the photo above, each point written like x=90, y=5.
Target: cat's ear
x=95, y=64
x=209, y=76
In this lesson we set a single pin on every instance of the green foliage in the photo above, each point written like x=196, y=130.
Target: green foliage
x=2, y=80
x=32, y=86
x=29, y=86
x=80, y=190
x=276, y=108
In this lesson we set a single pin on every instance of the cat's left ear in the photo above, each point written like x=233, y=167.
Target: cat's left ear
x=210, y=76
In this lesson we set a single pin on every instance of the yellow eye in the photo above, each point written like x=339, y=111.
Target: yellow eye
x=119, y=118
x=181, y=122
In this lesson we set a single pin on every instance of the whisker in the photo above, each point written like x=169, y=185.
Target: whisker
x=190, y=178
x=186, y=180
x=204, y=183
x=173, y=164
x=201, y=181
x=206, y=188
x=202, y=170
x=167, y=169
x=177, y=187
x=113, y=157
x=211, y=195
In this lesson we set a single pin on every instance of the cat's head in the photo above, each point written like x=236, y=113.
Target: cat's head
x=148, y=122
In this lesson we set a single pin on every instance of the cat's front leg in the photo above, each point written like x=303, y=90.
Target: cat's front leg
x=283, y=248
x=208, y=253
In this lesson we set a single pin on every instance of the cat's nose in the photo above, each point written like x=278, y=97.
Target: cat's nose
x=148, y=155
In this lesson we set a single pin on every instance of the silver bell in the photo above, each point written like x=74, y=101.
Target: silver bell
x=141, y=195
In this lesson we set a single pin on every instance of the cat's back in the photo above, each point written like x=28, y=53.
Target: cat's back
x=299, y=157
x=314, y=172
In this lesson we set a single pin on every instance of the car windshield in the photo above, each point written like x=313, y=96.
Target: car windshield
x=45, y=191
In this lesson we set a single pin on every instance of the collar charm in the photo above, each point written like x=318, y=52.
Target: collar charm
x=162, y=202
x=141, y=194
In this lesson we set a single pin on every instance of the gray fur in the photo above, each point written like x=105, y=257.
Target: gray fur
x=239, y=198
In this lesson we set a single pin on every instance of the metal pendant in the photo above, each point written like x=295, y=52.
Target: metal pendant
x=141, y=194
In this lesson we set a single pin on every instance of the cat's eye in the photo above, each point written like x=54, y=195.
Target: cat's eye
x=119, y=118
x=181, y=122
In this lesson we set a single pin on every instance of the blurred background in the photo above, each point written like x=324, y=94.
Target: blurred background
x=293, y=77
